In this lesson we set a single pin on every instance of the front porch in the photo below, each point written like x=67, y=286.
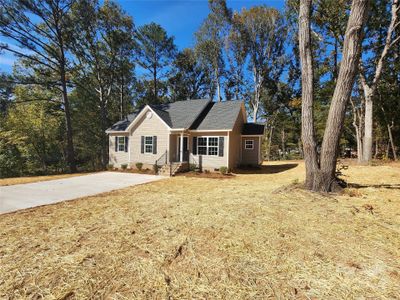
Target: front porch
x=178, y=158
x=179, y=147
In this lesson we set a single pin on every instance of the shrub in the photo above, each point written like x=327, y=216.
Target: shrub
x=110, y=167
x=139, y=166
x=207, y=171
x=155, y=169
x=223, y=170
x=192, y=167
x=124, y=166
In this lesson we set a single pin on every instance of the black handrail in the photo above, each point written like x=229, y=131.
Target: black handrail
x=163, y=159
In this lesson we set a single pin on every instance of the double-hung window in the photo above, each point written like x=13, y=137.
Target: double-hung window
x=121, y=143
x=202, y=145
x=213, y=146
x=148, y=144
x=249, y=144
x=207, y=146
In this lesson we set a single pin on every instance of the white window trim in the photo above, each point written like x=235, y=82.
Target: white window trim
x=118, y=143
x=152, y=143
x=252, y=144
x=207, y=145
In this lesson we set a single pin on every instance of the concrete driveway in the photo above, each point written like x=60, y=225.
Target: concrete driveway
x=20, y=196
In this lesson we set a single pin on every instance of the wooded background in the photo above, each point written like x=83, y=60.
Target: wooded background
x=83, y=65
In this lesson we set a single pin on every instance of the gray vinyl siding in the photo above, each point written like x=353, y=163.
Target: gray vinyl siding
x=251, y=157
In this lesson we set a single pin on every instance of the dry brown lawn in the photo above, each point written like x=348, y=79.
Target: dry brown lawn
x=21, y=180
x=254, y=236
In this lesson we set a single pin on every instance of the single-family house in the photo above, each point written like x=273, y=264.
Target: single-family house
x=175, y=135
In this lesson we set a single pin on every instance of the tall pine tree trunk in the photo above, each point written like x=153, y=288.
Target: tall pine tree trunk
x=218, y=84
x=70, y=151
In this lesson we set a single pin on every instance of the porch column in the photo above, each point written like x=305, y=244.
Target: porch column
x=181, y=148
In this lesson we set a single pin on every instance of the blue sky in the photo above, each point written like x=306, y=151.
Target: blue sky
x=180, y=18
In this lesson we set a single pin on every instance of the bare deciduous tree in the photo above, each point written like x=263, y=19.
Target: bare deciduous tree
x=370, y=89
x=320, y=173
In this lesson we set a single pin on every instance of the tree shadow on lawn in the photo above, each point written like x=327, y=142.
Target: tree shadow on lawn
x=375, y=186
x=271, y=169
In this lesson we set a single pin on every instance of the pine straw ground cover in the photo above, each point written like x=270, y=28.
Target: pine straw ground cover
x=249, y=237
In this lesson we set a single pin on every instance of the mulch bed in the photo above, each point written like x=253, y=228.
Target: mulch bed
x=206, y=175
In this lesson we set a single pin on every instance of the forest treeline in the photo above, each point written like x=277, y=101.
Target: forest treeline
x=83, y=65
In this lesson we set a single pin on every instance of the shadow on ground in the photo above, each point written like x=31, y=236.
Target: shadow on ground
x=272, y=169
x=376, y=186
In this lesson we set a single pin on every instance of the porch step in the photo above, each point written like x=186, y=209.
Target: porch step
x=172, y=169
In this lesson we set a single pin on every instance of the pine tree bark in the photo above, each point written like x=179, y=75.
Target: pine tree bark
x=70, y=151
x=218, y=84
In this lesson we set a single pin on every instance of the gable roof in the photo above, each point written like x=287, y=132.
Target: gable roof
x=218, y=115
x=180, y=114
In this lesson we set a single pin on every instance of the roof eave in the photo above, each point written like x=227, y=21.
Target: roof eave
x=116, y=131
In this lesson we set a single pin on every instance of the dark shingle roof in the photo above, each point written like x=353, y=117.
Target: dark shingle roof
x=180, y=114
x=220, y=115
x=193, y=114
x=123, y=124
x=252, y=129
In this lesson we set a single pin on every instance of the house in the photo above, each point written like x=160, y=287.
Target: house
x=204, y=133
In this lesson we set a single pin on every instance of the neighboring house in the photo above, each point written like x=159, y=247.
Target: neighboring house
x=201, y=132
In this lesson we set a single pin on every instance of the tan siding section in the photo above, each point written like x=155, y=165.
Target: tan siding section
x=145, y=127
x=117, y=158
x=148, y=127
x=211, y=161
x=234, y=142
x=251, y=156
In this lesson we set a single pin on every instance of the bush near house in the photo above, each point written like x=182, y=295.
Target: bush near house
x=139, y=166
x=124, y=166
x=223, y=170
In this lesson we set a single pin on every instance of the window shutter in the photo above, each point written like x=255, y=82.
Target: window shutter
x=154, y=145
x=116, y=144
x=194, y=145
x=142, y=144
x=126, y=143
x=221, y=146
